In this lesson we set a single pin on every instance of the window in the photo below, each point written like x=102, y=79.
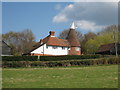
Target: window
x=77, y=49
x=47, y=46
x=68, y=48
x=63, y=48
x=54, y=47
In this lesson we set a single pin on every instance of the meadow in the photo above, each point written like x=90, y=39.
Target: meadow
x=105, y=76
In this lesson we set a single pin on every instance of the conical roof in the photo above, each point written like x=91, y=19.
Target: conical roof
x=72, y=37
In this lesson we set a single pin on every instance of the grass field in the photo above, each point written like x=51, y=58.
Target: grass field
x=61, y=77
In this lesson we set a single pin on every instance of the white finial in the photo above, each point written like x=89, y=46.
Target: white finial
x=72, y=26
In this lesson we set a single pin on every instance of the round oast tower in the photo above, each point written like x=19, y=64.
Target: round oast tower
x=75, y=48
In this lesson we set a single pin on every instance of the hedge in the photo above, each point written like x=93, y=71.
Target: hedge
x=49, y=58
x=87, y=62
x=19, y=58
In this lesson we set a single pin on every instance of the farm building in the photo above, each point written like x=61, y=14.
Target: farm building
x=6, y=49
x=109, y=49
x=52, y=45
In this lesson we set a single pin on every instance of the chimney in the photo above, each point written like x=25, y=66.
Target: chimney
x=52, y=33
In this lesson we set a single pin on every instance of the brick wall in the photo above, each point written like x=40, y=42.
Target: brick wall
x=73, y=51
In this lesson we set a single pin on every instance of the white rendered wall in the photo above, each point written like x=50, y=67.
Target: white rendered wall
x=39, y=50
x=50, y=50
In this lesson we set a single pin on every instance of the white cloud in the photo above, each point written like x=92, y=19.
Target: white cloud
x=60, y=18
x=88, y=26
x=94, y=14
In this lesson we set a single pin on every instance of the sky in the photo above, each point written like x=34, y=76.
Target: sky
x=42, y=17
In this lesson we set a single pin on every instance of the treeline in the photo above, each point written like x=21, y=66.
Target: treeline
x=90, y=42
x=20, y=42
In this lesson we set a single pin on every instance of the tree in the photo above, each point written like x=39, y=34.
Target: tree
x=91, y=46
x=20, y=42
x=27, y=40
x=87, y=37
x=106, y=36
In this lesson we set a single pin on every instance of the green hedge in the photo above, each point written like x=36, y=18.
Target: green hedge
x=49, y=58
x=68, y=57
x=19, y=58
x=86, y=62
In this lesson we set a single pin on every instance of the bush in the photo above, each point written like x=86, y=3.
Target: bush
x=49, y=58
x=86, y=62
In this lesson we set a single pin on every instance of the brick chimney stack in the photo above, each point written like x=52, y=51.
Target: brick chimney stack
x=52, y=33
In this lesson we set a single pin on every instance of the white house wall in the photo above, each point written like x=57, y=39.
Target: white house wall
x=39, y=50
x=50, y=50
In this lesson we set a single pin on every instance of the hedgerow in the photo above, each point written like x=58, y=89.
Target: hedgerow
x=86, y=62
x=19, y=58
x=49, y=58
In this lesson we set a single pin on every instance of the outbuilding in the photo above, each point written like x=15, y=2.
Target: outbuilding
x=5, y=48
x=109, y=49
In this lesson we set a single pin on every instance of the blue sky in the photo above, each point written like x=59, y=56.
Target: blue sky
x=42, y=17
x=35, y=16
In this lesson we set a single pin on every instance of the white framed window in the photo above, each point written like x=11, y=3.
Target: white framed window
x=54, y=47
x=77, y=48
x=47, y=46
x=63, y=48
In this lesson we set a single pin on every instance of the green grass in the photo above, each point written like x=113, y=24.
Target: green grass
x=70, y=77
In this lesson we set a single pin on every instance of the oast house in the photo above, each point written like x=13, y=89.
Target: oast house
x=52, y=45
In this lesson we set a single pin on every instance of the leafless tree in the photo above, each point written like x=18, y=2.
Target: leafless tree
x=20, y=42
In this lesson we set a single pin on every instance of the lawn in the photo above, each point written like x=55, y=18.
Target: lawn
x=61, y=77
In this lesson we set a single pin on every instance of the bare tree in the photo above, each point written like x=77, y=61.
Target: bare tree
x=20, y=42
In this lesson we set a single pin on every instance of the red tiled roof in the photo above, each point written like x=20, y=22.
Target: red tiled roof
x=53, y=41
